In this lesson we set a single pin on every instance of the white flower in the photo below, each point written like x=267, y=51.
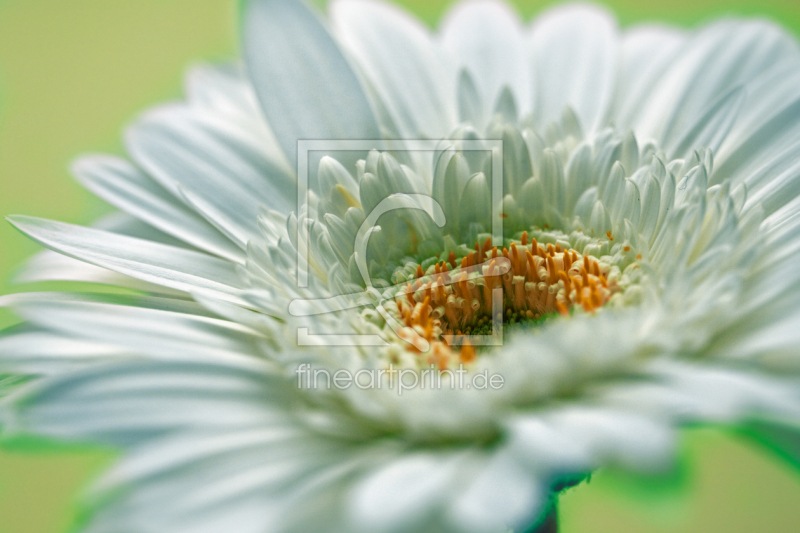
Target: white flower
x=651, y=221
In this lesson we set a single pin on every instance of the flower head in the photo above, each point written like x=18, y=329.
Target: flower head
x=389, y=280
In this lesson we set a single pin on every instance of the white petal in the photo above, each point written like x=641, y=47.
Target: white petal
x=181, y=452
x=719, y=57
x=486, y=37
x=575, y=61
x=692, y=393
x=306, y=87
x=124, y=186
x=123, y=403
x=152, y=262
x=400, y=57
x=182, y=149
x=500, y=497
x=647, y=51
x=226, y=91
x=767, y=129
x=546, y=450
x=627, y=439
x=159, y=328
x=708, y=130
x=33, y=351
x=51, y=266
x=470, y=105
x=276, y=478
x=403, y=493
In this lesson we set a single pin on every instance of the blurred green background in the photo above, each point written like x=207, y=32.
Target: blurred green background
x=72, y=73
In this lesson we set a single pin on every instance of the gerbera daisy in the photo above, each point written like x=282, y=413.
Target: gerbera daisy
x=384, y=280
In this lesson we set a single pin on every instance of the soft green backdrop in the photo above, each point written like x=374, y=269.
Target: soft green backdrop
x=72, y=73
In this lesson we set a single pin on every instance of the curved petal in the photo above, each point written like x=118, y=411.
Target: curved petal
x=172, y=267
x=767, y=132
x=719, y=57
x=124, y=186
x=486, y=37
x=29, y=350
x=574, y=50
x=133, y=401
x=404, y=63
x=305, y=85
x=159, y=328
x=183, y=149
x=226, y=91
x=647, y=51
x=710, y=129
x=52, y=266
x=405, y=493
x=684, y=393
x=48, y=265
x=501, y=496
x=279, y=477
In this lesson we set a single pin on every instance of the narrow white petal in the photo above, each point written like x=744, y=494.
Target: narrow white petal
x=52, y=266
x=691, y=393
x=124, y=186
x=708, y=130
x=647, y=51
x=182, y=149
x=719, y=57
x=624, y=438
x=226, y=91
x=500, y=497
x=767, y=128
x=130, y=402
x=574, y=50
x=35, y=351
x=486, y=37
x=305, y=85
x=401, y=58
x=158, y=328
x=175, y=268
x=403, y=493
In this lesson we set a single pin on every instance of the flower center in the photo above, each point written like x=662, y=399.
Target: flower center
x=457, y=303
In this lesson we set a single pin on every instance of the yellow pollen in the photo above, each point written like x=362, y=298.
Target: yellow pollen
x=454, y=299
